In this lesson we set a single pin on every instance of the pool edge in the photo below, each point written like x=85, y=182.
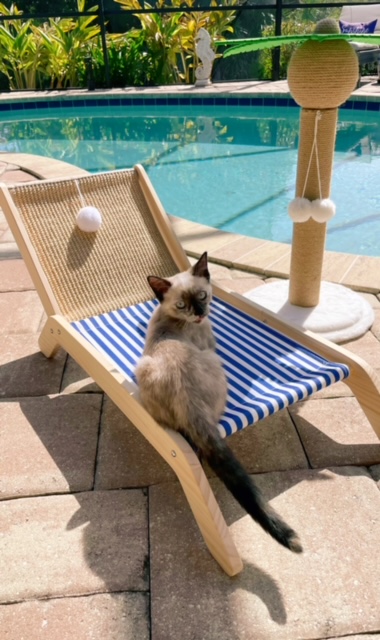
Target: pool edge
x=248, y=93
x=272, y=259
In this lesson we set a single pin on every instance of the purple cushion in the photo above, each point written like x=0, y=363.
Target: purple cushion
x=357, y=27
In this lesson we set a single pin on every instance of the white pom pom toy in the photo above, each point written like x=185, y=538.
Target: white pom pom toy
x=299, y=209
x=89, y=219
x=302, y=209
x=323, y=210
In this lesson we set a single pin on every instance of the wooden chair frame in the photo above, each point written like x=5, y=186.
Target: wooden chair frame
x=58, y=333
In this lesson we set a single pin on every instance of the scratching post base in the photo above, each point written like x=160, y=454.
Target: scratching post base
x=341, y=314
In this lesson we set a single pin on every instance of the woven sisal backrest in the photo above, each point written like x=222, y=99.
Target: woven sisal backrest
x=92, y=273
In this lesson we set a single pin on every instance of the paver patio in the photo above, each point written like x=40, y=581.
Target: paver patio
x=97, y=541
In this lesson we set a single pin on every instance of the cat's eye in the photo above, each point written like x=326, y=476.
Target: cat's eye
x=202, y=295
x=180, y=304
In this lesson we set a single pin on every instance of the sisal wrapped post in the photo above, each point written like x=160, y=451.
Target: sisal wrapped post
x=321, y=76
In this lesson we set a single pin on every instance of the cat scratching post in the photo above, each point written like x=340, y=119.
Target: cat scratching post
x=321, y=76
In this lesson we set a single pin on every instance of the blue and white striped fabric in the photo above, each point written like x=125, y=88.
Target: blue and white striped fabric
x=266, y=371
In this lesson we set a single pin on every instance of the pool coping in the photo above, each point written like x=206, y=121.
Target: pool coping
x=243, y=93
x=264, y=257
x=272, y=259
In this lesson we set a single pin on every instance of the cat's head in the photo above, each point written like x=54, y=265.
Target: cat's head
x=187, y=295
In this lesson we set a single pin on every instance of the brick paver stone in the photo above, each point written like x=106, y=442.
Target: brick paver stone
x=14, y=276
x=73, y=545
x=332, y=589
x=118, y=616
x=20, y=312
x=24, y=370
x=336, y=432
x=126, y=459
x=48, y=444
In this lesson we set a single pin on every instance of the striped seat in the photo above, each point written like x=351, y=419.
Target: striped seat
x=266, y=370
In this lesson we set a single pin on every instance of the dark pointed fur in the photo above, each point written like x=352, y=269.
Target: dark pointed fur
x=183, y=386
x=230, y=471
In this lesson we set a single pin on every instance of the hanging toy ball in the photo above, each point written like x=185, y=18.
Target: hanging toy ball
x=299, y=209
x=89, y=219
x=323, y=210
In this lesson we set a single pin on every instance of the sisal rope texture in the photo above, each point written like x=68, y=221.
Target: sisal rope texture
x=93, y=273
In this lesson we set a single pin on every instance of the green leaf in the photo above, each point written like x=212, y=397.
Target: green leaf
x=256, y=44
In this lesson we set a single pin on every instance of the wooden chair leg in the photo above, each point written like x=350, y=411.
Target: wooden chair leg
x=366, y=388
x=204, y=506
x=48, y=341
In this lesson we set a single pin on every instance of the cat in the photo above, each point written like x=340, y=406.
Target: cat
x=183, y=386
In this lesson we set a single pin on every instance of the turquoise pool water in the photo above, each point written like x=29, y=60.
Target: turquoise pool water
x=232, y=168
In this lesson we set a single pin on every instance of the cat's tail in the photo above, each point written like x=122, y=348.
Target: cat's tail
x=223, y=462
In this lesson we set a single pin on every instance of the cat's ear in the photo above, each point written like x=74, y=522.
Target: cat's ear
x=200, y=268
x=159, y=285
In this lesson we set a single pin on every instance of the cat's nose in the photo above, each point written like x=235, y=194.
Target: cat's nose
x=199, y=310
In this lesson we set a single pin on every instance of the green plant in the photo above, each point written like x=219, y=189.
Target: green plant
x=67, y=42
x=161, y=36
x=22, y=57
x=129, y=62
x=52, y=54
x=55, y=53
x=169, y=38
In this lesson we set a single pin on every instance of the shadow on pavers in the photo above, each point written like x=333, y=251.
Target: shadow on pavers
x=96, y=545
x=329, y=445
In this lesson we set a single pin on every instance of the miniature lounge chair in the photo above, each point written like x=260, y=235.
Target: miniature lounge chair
x=94, y=290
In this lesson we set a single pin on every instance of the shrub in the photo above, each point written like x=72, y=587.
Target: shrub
x=129, y=62
x=51, y=55
x=55, y=54
x=170, y=37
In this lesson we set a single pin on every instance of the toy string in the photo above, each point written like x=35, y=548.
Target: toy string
x=314, y=148
x=82, y=200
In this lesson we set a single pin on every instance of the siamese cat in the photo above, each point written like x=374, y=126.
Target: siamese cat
x=183, y=386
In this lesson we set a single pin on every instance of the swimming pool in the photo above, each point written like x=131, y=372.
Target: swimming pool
x=224, y=165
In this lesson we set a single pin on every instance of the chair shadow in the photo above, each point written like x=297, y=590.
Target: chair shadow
x=105, y=561
x=324, y=451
